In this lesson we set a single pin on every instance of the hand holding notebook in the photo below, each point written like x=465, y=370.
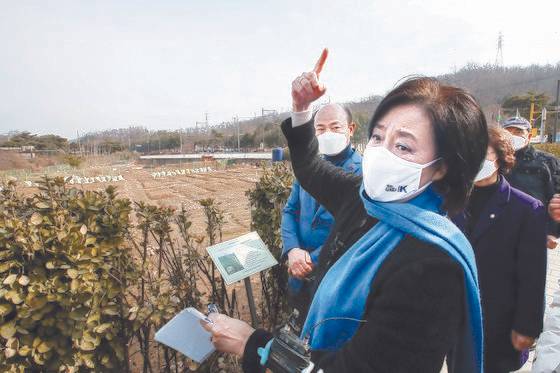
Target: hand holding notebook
x=185, y=334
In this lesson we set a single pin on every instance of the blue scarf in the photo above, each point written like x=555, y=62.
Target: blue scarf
x=349, y=279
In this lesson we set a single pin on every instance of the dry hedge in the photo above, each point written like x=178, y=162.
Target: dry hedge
x=82, y=288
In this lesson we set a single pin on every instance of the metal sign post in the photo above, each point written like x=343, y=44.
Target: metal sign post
x=251, y=301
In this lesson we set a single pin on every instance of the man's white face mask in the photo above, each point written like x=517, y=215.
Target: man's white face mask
x=518, y=142
x=388, y=178
x=332, y=143
x=488, y=168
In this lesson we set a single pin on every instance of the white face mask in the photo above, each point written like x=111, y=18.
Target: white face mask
x=388, y=178
x=487, y=170
x=332, y=143
x=518, y=142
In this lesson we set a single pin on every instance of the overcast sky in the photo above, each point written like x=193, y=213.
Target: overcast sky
x=90, y=65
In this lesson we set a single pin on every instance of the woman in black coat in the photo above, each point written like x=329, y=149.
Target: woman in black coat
x=507, y=230
x=422, y=300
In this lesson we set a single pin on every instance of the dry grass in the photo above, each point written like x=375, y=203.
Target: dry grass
x=14, y=161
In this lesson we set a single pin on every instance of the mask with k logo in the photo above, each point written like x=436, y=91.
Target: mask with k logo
x=388, y=178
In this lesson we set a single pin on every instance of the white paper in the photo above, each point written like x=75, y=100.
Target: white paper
x=185, y=334
x=241, y=257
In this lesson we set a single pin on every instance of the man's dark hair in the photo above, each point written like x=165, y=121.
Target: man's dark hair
x=459, y=127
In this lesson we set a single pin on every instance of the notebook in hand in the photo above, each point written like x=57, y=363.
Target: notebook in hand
x=185, y=334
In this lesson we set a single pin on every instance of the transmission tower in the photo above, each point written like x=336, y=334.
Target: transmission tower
x=499, y=51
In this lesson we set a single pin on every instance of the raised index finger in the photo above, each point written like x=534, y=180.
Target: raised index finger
x=321, y=62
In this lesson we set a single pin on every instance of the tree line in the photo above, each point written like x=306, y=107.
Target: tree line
x=509, y=88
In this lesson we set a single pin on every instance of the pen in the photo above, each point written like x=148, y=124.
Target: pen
x=212, y=308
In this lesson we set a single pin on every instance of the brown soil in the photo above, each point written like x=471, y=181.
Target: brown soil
x=227, y=187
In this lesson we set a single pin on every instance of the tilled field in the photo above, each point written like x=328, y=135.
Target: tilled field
x=226, y=186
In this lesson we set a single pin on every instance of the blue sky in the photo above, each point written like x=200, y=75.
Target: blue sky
x=90, y=65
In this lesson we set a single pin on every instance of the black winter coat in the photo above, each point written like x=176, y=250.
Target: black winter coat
x=537, y=173
x=416, y=305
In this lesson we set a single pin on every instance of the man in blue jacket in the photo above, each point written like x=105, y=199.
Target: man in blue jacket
x=305, y=223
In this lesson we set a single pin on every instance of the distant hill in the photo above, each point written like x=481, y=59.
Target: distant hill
x=491, y=85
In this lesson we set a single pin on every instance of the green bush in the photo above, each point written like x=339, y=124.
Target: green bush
x=267, y=201
x=81, y=284
x=63, y=275
x=73, y=161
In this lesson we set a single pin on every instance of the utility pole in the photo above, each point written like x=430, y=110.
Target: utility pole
x=557, y=109
x=267, y=113
x=236, y=122
x=181, y=139
x=78, y=139
x=204, y=128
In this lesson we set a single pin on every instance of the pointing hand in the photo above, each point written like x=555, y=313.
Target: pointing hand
x=307, y=88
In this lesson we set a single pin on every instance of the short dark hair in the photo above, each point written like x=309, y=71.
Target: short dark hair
x=459, y=127
x=500, y=140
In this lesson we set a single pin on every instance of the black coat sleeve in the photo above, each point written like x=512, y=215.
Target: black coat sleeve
x=412, y=320
x=328, y=184
x=554, y=166
x=531, y=273
x=251, y=360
